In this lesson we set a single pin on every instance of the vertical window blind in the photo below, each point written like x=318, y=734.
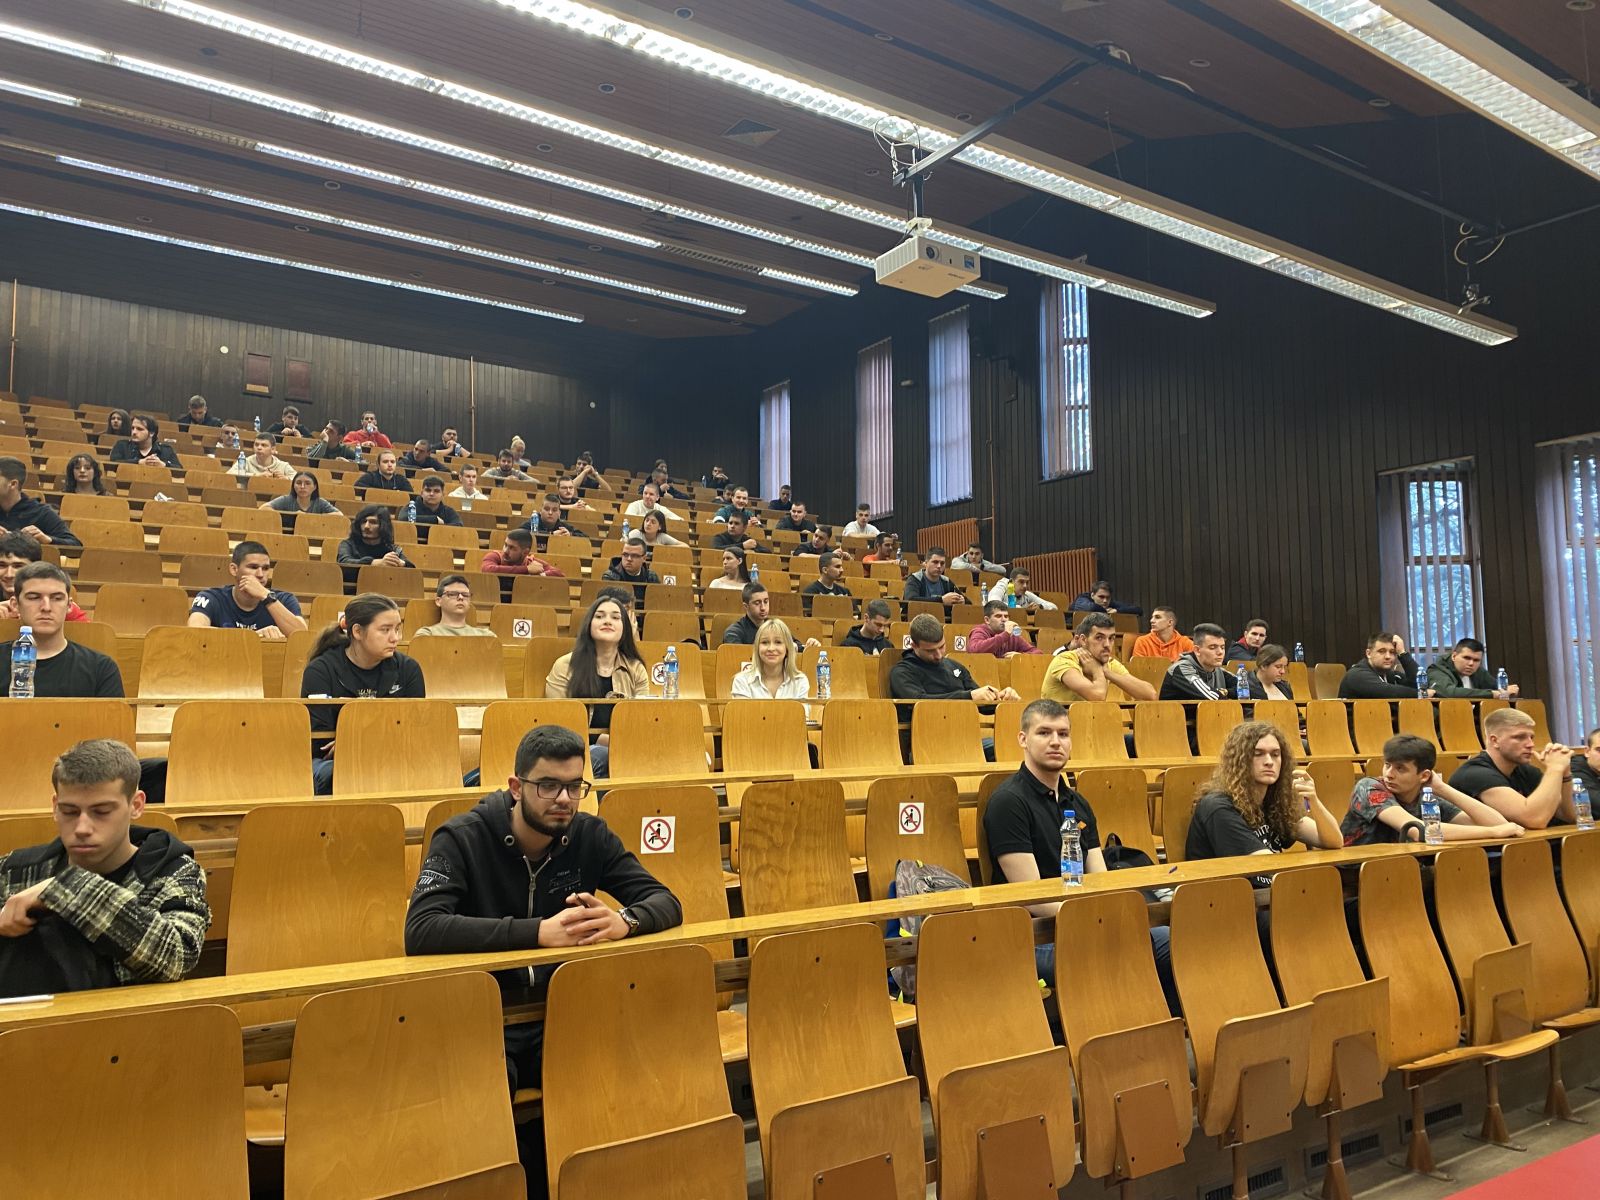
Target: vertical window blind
x=774, y=439
x=1067, y=444
x=1432, y=583
x=875, y=426
x=1569, y=539
x=949, y=409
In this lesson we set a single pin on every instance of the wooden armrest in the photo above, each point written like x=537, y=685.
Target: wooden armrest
x=1497, y=1007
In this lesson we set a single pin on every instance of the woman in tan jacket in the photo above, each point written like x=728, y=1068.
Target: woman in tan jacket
x=604, y=663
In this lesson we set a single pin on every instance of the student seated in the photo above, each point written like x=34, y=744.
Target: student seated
x=356, y=657
x=371, y=541
x=629, y=568
x=975, y=560
x=571, y=499
x=1249, y=644
x=367, y=435
x=830, y=570
x=653, y=529
x=468, y=489
x=604, y=663
x=871, y=636
x=1271, y=680
x=736, y=536
x=288, y=422
x=649, y=501
x=304, y=495
x=773, y=672
x=28, y=515
x=926, y=674
x=1023, y=827
x=431, y=508
x=523, y=870
x=1386, y=809
x=1199, y=674
x=421, y=458
x=1387, y=673
x=143, y=446
x=515, y=557
x=199, y=414
x=547, y=523
x=506, y=468
x=263, y=461
x=1087, y=672
x=885, y=548
x=796, y=521
x=1099, y=599
x=739, y=502
x=999, y=635
x=1505, y=778
x=107, y=902
x=1017, y=586
x=821, y=542
x=17, y=550
x=1464, y=676
x=387, y=478
x=82, y=477
x=1163, y=640
x=454, y=598
x=931, y=583
x=249, y=603
x=734, y=572
x=1259, y=802
x=862, y=526
x=330, y=444
x=784, y=500
x=1586, y=766
x=43, y=596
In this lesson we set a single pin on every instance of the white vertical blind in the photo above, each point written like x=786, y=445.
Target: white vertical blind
x=1569, y=540
x=949, y=409
x=875, y=426
x=1067, y=446
x=1432, y=585
x=774, y=439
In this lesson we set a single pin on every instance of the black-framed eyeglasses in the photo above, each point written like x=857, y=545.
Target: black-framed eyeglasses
x=457, y=595
x=551, y=789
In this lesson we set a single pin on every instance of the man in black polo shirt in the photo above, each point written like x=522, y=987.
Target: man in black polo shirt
x=1023, y=827
x=1505, y=779
x=249, y=603
x=65, y=669
x=830, y=570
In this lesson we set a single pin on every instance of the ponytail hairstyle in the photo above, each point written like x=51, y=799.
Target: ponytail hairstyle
x=361, y=610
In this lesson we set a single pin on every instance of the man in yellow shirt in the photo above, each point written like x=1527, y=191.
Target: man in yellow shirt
x=1086, y=674
x=1163, y=640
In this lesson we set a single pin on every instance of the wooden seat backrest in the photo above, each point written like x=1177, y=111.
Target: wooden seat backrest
x=1096, y=732
x=1397, y=937
x=213, y=741
x=1311, y=947
x=930, y=834
x=1560, y=983
x=1457, y=730
x=200, y=663
x=108, y=535
x=1180, y=788
x=308, y=578
x=765, y=735
x=1285, y=714
x=1152, y=669
x=133, y=565
x=731, y=659
x=792, y=848
x=862, y=734
x=180, y=1069
x=1373, y=721
x=505, y=722
x=1328, y=728
x=423, y=1124
x=847, y=669
x=76, y=506
x=1213, y=721
x=1541, y=720
x=1469, y=921
x=1119, y=797
x=666, y=625
x=1325, y=680
x=461, y=668
x=39, y=731
x=38, y=830
x=665, y=737
x=1416, y=717
x=397, y=745
x=945, y=732
x=1160, y=729
x=192, y=539
x=1335, y=779
x=159, y=513
x=1580, y=886
x=134, y=609
x=540, y=657
x=400, y=583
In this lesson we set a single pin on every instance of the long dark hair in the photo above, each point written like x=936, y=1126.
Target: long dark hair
x=316, y=493
x=95, y=484
x=385, y=525
x=744, y=567
x=582, y=678
x=127, y=422
x=360, y=610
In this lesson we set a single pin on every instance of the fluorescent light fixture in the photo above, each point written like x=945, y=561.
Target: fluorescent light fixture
x=810, y=281
x=1452, y=57
x=731, y=173
x=403, y=235
x=211, y=247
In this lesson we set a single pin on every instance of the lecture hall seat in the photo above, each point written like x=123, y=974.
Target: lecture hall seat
x=39, y=731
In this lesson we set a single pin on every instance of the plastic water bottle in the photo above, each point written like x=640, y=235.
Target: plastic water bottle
x=669, y=675
x=1422, y=685
x=24, y=661
x=1241, y=683
x=627, y=530
x=1433, y=831
x=240, y=465
x=258, y=423
x=1299, y=652
x=755, y=573
x=1583, y=813
x=1071, y=850
x=1011, y=594
x=824, y=676
x=1501, y=680
x=411, y=511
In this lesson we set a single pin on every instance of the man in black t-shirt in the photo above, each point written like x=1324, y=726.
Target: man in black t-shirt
x=871, y=636
x=830, y=570
x=386, y=478
x=1505, y=779
x=797, y=521
x=736, y=534
x=65, y=669
x=431, y=509
x=547, y=523
x=249, y=603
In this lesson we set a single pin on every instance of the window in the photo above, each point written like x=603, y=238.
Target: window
x=875, y=426
x=949, y=409
x=774, y=438
x=1067, y=445
x=1431, y=581
x=1569, y=538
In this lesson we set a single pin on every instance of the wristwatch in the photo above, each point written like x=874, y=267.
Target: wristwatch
x=630, y=920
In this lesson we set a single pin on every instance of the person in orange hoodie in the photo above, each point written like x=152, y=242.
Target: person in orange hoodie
x=1163, y=640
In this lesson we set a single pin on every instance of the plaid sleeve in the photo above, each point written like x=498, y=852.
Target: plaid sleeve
x=155, y=934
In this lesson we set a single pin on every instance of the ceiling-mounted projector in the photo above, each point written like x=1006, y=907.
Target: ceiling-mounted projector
x=929, y=268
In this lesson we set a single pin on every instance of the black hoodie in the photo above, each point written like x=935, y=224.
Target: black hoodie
x=478, y=893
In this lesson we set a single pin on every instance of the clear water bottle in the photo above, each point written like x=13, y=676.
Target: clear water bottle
x=627, y=530
x=1502, y=681
x=1299, y=652
x=411, y=511
x=24, y=661
x=824, y=676
x=239, y=466
x=1241, y=683
x=1432, y=829
x=1583, y=813
x=258, y=423
x=1011, y=594
x=755, y=573
x=1071, y=850
x=669, y=675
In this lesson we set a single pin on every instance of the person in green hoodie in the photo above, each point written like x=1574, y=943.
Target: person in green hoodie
x=1464, y=677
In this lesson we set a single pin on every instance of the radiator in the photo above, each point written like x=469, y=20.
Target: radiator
x=954, y=536
x=1066, y=571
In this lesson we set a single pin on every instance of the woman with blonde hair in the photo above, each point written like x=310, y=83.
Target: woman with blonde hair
x=773, y=672
x=1258, y=801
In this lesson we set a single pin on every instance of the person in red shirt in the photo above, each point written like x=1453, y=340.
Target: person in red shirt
x=515, y=557
x=998, y=635
x=368, y=436
x=17, y=550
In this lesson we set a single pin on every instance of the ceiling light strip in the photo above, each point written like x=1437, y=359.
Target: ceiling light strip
x=273, y=260
x=810, y=281
x=850, y=209
x=1456, y=59
x=307, y=214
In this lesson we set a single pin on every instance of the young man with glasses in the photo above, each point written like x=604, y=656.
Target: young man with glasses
x=522, y=870
x=454, y=598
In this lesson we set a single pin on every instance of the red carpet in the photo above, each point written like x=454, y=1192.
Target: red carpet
x=1570, y=1174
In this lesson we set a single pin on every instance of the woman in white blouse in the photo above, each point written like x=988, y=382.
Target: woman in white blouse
x=734, y=573
x=773, y=672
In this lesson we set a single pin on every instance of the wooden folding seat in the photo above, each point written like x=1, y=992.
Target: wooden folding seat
x=847, y=668
x=242, y=523
x=1128, y=1053
x=1161, y=730
x=832, y=608
x=1580, y=887
x=1425, y=1019
x=461, y=668
x=1000, y=1089
x=192, y=539
x=396, y=582
x=1416, y=717
x=763, y=735
x=201, y=663
x=521, y=622
x=832, y=1096
x=506, y=722
x=305, y=578
x=99, y=565
x=1097, y=732
x=1285, y=714
x=322, y=525
x=281, y=546
x=158, y=514
x=1335, y=779
x=76, y=506
x=667, y=625
x=1120, y=798
x=912, y=818
x=659, y=737
x=1373, y=722
x=108, y=535
x=1213, y=721
x=17, y=833
x=456, y=537
x=1316, y=965
x=946, y=733
x=1180, y=788
x=986, y=670
x=551, y=590
x=781, y=601
x=180, y=1069
x=39, y=731
x=1328, y=729
x=1007, y=727
x=425, y=1131
x=1025, y=674
x=793, y=853
x=199, y=571
x=134, y=609
x=1458, y=729
x=540, y=656
x=388, y=746
x=1325, y=680
x=1534, y=709
x=267, y=487
x=216, y=743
